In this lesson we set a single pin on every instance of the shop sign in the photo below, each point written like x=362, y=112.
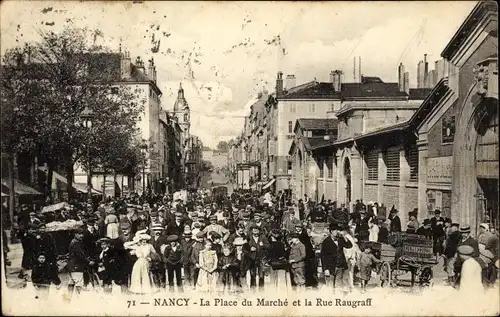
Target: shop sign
x=440, y=169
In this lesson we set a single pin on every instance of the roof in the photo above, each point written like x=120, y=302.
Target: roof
x=317, y=124
x=312, y=143
x=419, y=93
x=312, y=90
x=437, y=93
x=372, y=90
x=473, y=19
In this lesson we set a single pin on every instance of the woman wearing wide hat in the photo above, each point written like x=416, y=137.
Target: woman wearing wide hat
x=141, y=279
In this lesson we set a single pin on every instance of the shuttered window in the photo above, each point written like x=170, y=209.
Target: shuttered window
x=412, y=158
x=329, y=165
x=371, y=159
x=391, y=159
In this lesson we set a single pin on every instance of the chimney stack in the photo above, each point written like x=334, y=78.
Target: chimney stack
x=354, y=73
x=401, y=77
x=406, y=82
x=360, y=76
x=336, y=78
x=290, y=81
x=140, y=64
x=151, y=70
x=125, y=65
x=279, y=85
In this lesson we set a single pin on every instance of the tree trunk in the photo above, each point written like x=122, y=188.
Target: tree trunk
x=69, y=177
x=12, y=193
x=114, y=184
x=104, y=186
x=123, y=176
x=48, y=182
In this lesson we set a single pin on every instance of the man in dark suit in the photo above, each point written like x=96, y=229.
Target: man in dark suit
x=257, y=246
x=450, y=251
x=158, y=267
x=111, y=262
x=176, y=227
x=466, y=239
x=438, y=234
x=333, y=259
x=395, y=225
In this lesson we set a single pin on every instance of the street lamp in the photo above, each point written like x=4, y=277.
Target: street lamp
x=87, y=115
x=144, y=148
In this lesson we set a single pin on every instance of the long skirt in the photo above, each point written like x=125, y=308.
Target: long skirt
x=207, y=282
x=112, y=231
x=140, y=280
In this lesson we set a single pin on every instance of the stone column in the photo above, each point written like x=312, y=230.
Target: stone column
x=404, y=177
x=334, y=174
x=340, y=178
x=356, y=176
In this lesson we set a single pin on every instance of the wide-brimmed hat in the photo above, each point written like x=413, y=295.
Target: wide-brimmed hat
x=239, y=241
x=484, y=226
x=157, y=227
x=141, y=236
x=187, y=233
x=172, y=238
x=465, y=229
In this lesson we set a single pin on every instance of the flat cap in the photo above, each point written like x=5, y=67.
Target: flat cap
x=172, y=238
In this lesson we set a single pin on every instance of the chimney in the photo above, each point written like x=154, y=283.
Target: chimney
x=332, y=76
x=125, y=65
x=140, y=64
x=360, y=76
x=406, y=82
x=401, y=77
x=354, y=71
x=151, y=69
x=290, y=81
x=279, y=85
x=336, y=77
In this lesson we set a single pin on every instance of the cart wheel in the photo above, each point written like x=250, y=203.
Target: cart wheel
x=385, y=274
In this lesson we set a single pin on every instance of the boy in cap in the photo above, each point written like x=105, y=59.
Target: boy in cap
x=187, y=248
x=173, y=258
x=177, y=226
x=296, y=259
x=78, y=262
x=450, y=251
x=43, y=274
x=438, y=232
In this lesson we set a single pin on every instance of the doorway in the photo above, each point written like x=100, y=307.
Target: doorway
x=347, y=176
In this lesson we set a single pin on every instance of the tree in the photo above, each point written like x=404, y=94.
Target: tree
x=66, y=74
x=222, y=146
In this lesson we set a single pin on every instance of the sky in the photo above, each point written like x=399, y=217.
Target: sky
x=224, y=53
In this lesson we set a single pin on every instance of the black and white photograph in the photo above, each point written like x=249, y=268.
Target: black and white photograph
x=253, y=158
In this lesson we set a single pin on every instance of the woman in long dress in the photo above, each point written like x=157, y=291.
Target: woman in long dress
x=112, y=224
x=140, y=280
x=208, y=264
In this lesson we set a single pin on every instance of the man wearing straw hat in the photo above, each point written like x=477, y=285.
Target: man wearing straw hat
x=158, y=267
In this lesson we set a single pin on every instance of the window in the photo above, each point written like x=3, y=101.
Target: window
x=321, y=165
x=329, y=166
x=312, y=108
x=331, y=107
x=371, y=159
x=412, y=158
x=391, y=159
x=289, y=167
x=292, y=107
x=186, y=117
x=290, y=126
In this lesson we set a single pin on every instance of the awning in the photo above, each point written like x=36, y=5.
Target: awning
x=55, y=207
x=4, y=195
x=20, y=188
x=269, y=183
x=79, y=187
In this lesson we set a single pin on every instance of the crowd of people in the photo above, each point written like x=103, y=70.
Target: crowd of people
x=229, y=244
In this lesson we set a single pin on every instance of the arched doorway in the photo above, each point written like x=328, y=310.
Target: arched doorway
x=347, y=177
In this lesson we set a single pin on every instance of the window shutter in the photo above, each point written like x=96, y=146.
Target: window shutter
x=371, y=159
x=392, y=164
x=412, y=158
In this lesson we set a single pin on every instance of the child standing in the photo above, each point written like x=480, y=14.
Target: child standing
x=43, y=274
x=207, y=277
x=227, y=269
x=365, y=262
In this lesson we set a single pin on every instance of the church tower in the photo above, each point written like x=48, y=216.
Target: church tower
x=182, y=112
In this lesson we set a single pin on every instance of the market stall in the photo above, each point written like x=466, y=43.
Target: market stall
x=61, y=232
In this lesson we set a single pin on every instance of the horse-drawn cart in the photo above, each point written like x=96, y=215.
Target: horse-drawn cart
x=405, y=253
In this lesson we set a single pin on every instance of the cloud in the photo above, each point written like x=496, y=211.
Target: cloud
x=223, y=60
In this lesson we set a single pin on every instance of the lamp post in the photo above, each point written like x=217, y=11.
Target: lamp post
x=87, y=115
